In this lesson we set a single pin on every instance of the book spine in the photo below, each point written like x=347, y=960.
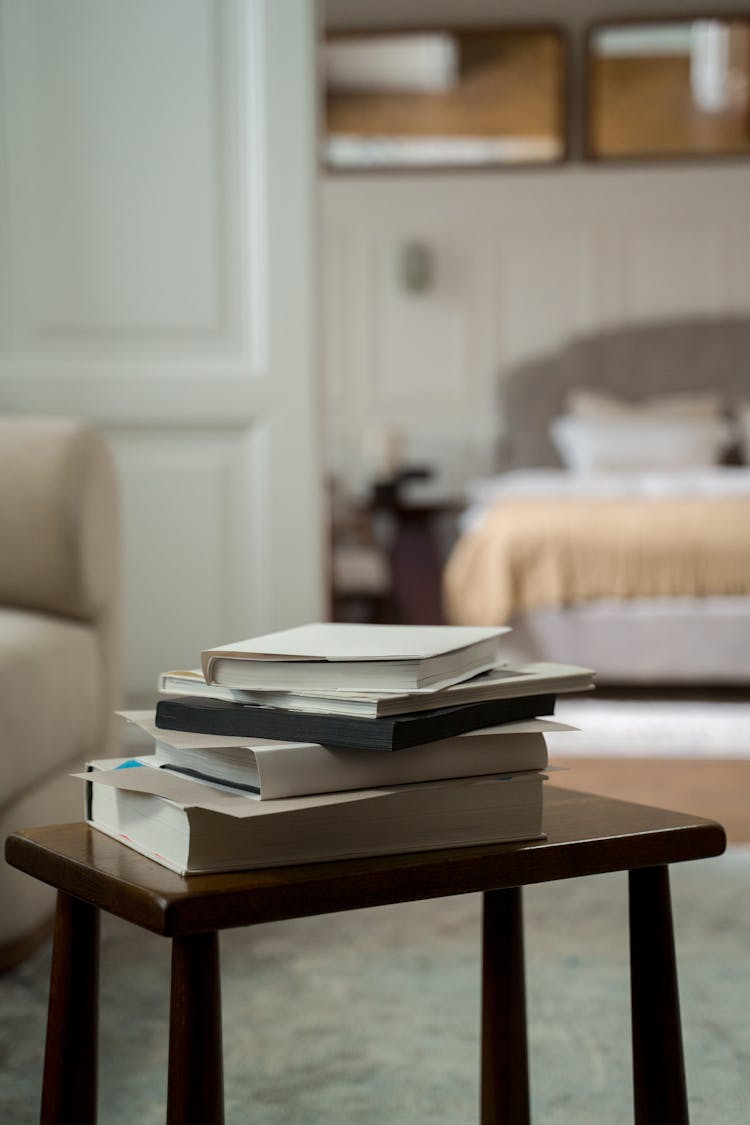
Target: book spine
x=308, y=770
x=237, y=720
x=206, y=716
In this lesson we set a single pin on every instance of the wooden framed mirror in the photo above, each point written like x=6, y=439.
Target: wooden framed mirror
x=443, y=97
x=676, y=87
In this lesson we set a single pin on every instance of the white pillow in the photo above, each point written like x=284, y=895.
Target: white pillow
x=625, y=443
x=586, y=403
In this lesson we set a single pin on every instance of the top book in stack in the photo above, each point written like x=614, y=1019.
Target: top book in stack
x=337, y=656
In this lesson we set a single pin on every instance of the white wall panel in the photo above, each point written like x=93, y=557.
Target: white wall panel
x=344, y=301
x=181, y=530
x=132, y=214
x=735, y=257
x=529, y=260
x=420, y=340
x=546, y=288
x=673, y=270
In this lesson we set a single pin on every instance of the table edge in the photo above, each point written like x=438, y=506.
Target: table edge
x=358, y=883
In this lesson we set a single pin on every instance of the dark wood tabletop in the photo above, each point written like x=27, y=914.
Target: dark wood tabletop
x=586, y=835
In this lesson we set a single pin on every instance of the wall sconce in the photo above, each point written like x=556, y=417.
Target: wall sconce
x=416, y=267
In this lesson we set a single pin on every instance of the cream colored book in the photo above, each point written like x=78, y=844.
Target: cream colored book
x=503, y=682
x=190, y=827
x=273, y=769
x=368, y=657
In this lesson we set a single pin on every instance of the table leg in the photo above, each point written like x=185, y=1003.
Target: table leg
x=505, y=1073
x=196, y=1085
x=69, y=1088
x=658, y=1069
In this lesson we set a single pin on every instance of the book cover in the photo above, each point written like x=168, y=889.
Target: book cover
x=389, y=657
x=275, y=770
x=189, y=827
x=396, y=732
x=499, y=682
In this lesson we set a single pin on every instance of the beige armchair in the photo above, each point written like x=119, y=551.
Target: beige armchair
x=59, y=638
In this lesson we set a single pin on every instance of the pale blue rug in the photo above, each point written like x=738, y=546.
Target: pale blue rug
x=372, y=1018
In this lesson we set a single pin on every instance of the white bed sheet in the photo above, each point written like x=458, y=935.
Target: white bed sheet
x=718, y=481
x=645, y=640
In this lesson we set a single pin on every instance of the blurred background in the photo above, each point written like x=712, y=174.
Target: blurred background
x=335, y=280
x=382, y=310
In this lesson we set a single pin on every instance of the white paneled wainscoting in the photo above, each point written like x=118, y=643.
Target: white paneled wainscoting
x=518, y=262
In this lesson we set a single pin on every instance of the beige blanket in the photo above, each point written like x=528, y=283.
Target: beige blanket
x=531, y=553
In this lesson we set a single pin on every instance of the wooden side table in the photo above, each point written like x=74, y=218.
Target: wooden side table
x=417, y=560
x=586, y=835
x=416, y=544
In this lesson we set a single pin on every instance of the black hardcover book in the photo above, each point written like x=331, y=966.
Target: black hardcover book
x=392, y=732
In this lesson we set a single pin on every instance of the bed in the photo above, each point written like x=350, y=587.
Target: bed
x=617, y=533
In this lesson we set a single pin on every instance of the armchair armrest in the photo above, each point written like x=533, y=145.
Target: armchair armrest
x=59, y=549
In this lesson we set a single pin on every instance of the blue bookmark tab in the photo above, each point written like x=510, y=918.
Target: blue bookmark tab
x=129, y=765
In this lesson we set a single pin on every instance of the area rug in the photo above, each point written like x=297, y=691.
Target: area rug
x=682, y=728
x=372, y=1017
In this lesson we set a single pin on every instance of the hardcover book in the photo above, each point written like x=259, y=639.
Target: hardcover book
x=497, y=683
x=396, y=732
x=339, y=655
x=190, y=827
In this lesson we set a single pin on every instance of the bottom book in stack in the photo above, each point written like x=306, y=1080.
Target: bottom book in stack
x=183, y=828
x=477, y=788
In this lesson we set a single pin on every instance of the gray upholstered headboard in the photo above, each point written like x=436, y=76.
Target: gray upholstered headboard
x=632, y=362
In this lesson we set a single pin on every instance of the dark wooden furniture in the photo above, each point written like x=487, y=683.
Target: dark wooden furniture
x=586, y=835
x=417, y=560
x=417, y=544
x=411, y=537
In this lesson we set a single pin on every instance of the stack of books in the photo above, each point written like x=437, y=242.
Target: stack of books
x=334, y=741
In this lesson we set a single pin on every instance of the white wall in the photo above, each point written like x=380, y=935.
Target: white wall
x=522, y=260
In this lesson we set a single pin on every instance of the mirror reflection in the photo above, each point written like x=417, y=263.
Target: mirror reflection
x=443, y=97
x=670, y=88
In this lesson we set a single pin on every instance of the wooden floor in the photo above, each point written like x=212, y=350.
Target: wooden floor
x=718, y=790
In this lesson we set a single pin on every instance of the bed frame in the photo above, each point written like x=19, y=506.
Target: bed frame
x=650, y=641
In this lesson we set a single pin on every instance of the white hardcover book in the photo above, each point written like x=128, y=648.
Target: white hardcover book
x=273, y=770
x=499, y=682
x=370, y=657
x=190, y=828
